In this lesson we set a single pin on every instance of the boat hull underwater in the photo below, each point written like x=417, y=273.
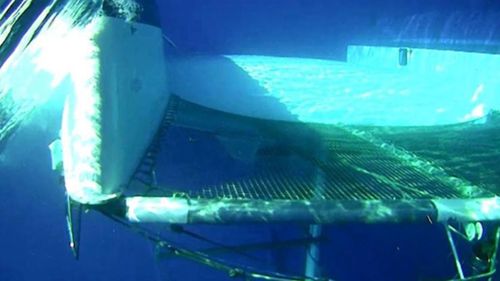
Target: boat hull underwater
x=316, y=145
x=128, y=99
x=119, y=101
x=112, y=116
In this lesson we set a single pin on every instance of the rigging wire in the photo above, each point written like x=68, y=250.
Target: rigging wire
x=202, y=258
x=180, y=229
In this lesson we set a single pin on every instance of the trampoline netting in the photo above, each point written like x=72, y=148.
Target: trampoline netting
x=215, y=155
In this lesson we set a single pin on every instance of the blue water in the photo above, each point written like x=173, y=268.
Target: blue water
x=33, y=236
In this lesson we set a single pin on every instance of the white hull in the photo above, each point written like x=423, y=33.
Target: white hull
x=114, y=112
x=435, y=88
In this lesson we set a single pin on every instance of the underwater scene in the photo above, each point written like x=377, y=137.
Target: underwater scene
x=160, y=140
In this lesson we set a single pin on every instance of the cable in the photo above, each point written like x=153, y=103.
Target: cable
x=476, y=277
x=180, y=229
x=201, y=258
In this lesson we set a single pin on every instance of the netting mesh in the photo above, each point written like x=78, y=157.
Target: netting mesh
x=297, y=161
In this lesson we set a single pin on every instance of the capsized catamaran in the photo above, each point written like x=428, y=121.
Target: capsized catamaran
x=312, y=144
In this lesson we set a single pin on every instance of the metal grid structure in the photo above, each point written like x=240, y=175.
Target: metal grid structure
x=298, y=161
x=470, y=151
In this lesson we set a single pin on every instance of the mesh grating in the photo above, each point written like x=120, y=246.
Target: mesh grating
x=298, y=161
x=469, y=151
